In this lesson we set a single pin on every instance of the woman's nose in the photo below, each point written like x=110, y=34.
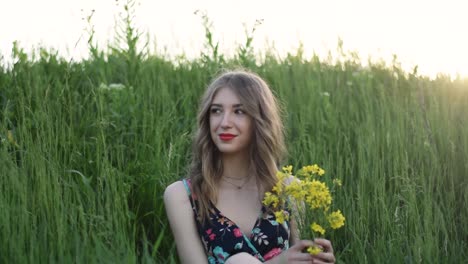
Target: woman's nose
x=226, y=121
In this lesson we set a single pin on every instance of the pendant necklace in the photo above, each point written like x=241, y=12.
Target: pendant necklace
x=239, y=187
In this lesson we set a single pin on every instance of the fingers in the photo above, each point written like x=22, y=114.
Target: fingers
x=324, y=258
x=302, y=257
x=327, y=255
x=295, y=253
x=301, y=244
x=325, y=244
x=319, y=262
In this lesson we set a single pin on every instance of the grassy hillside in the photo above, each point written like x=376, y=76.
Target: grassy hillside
x=87, y=148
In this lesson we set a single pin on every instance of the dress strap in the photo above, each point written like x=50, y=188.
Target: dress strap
x=188, y=188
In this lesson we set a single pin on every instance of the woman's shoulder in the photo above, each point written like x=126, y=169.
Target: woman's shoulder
x=174, y=192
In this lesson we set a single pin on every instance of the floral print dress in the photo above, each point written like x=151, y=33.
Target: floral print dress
x=222, y=238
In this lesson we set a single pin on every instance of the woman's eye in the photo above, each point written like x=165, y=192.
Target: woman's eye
x=239, y=111
x=215, y=110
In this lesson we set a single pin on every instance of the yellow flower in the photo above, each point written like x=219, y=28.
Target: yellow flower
x=314, y=250
x=336, y=219
x=308, y=190
x=317, y=228
x=308, y=169
x=270, y=199
x=321, y=172
x=296, y=190
x=288, y=169
x=281, y=216
x=278, y=188
x=337, y=182
x=280, y=175
x=313, y=169
x=318, y=195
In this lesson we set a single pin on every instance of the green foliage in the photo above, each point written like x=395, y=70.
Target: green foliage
x=245, y=53
x=87, y=148
x=211, y=56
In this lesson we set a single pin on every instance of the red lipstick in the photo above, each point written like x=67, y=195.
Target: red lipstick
x=226, y=136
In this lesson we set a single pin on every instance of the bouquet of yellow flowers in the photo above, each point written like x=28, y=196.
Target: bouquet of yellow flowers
x=310, y=199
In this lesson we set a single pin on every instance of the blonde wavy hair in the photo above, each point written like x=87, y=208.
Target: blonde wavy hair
x=266, y=151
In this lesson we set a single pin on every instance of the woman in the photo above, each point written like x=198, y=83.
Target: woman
x=216, y=215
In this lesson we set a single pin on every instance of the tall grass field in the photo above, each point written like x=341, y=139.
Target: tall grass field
x=88, y=147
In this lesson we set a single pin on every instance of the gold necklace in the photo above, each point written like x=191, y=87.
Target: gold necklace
x=236, y=185
x=236, y=178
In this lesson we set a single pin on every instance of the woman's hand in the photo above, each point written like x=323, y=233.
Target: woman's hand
x=294, y=254
x=326, y=256
x=297, y=254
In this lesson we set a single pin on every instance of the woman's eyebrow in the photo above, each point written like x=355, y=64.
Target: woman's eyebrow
x=220, y=105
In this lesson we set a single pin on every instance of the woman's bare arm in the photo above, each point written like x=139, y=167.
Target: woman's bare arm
x=182, y=222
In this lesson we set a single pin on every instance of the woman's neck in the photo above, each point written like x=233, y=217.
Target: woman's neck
x=236, y=166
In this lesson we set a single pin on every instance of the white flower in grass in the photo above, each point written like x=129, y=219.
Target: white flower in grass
x=112, y=86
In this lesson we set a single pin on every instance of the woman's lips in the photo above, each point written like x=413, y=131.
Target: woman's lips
x=226, y=137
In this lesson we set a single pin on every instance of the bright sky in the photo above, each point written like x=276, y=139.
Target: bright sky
x=429, y=33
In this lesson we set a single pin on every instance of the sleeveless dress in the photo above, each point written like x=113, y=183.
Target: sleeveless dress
x=222, y=238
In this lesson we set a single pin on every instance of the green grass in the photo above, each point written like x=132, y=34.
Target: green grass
x=83, y=165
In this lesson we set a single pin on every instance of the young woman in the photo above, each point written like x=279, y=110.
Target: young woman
x=216, y=214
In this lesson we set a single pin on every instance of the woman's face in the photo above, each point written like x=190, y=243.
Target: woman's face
x=230, y=126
